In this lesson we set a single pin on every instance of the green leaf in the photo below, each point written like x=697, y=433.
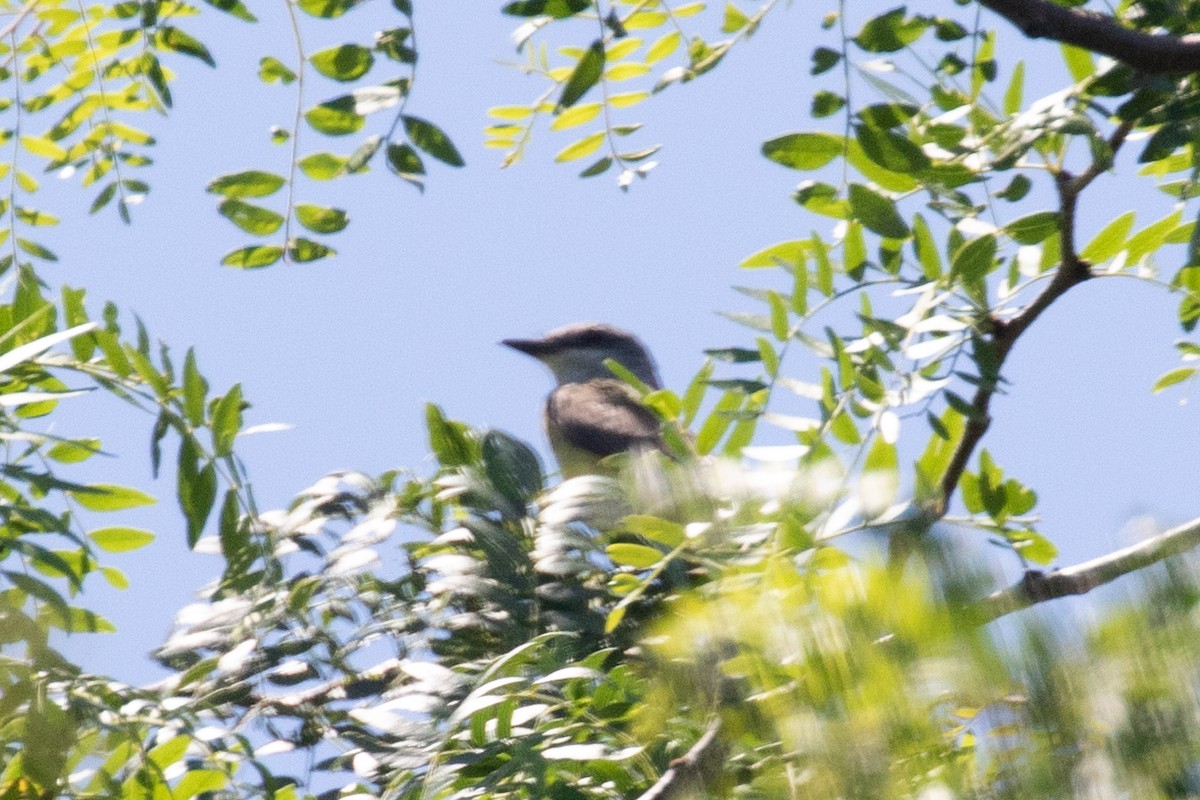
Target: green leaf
x=431, y=139
x=302, y=251
x=271, y=69
x=804, y=151
x=226, y=421
x=33, y=217
x=1016, y=89
x=1172, y=377
x=1017, y=188
x=824, y=59
x=735, y=19
x=1148, y=239
x=598, y=168
x=512, y=468
x=253, y=219
x=326, y=9
x=108, y=497
x=877, y=213
x=789, y=254
x=36, y=250
x=120, y=539
x=1033, y=228
x=585, y=75
x=1108, y=242
x=890, y=150
x=347, y=62
x=926, y=249
x=975, y=259
x=667, y=533
x=41, y=146
x=448, y=440
x=253, y=257
x=72, y=451
x=779, y=316
x=558, y=9
x=321, y=220
x=633, y=555
x=576, y=115
x=337, y=117
x=405, y=162
x=234, y=8
x=890, y=32
x=1078, y=61
x=252, y=183
x=322, y=166
x=175, y=39
x=196, y=487
x=665, y=45
x=195, y=390
x=199, y=781
x=581, y=148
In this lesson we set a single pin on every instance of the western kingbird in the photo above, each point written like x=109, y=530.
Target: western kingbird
x=591, y=414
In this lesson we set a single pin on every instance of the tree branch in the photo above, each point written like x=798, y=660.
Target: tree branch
x=691, y=773
x=1071, y=271
x=1149, y=53
x=1038, y=587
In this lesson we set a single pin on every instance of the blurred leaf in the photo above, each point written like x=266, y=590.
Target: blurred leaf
x=877, y=213
x=253, y=219
x=1172, y=377
x=253, y=257
x=584, y=147
x=804, y=151
x=271, y=69
x=252, y=183
x=321, y=220
x=558, y=9
x=196, y=487
x=337, y=117
x=1033, y=228
x=431, y=139
x=226, y=421
x=347, y=62
x=326, y=9
x=302, y=250
x=120, y=539
x=633, y=555
x=667, y=533
x=322, y=166
x=171, y=38
x=586, y=74
x=108, y=497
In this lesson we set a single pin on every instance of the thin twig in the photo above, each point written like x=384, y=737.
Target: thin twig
x=1072, y=271
x=1038, y=587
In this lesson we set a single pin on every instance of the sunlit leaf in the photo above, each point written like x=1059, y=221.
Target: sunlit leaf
x=108, y=497
x=119, y=539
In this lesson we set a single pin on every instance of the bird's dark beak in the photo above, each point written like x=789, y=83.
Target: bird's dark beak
x=530, y=347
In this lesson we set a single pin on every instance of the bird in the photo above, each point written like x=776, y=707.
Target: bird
x=591, y=415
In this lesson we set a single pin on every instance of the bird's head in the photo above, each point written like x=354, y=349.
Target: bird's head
x=576, y=353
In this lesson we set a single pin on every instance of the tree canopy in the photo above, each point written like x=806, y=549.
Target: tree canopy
x=719, y=623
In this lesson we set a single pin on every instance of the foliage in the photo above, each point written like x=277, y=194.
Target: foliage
x=700, y=624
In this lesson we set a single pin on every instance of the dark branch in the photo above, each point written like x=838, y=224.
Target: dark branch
x=1071, y=271
x=1149, y=53
x=1038, y=587
x=690, y=774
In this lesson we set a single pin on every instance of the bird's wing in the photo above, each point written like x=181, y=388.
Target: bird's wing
x=602, y=417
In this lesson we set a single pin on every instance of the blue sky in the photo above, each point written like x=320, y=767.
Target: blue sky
x=424, y=286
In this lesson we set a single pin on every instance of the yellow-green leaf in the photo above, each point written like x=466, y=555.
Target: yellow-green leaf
x=584, y=147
